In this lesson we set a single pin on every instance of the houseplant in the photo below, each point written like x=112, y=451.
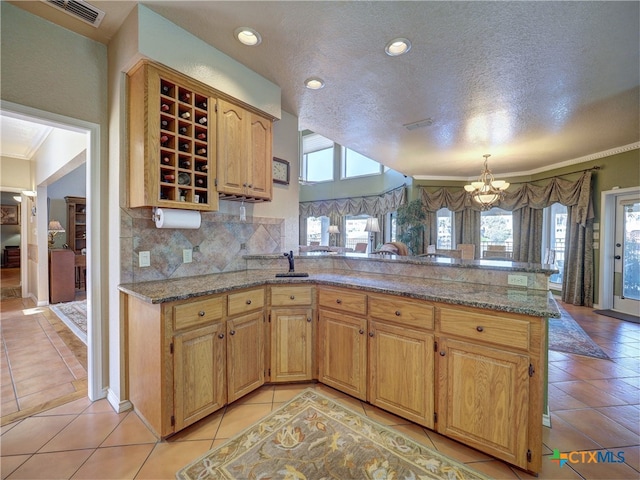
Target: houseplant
x=410, y=223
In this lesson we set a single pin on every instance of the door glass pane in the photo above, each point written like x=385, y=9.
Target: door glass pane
x=354, y=230
x=445, y=228
x=556, y=238
x=317, y=231
x=496, y=231
x=631, y=251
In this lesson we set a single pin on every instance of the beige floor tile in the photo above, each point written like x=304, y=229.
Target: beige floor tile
x=456, y=450
x=609, y=471
x=618, y=388
x=626, y=415
x=263, y=394
x=550, y=471
x=9, y=464
x=51, y=465
x=284, y=393
x=86, y=431
x=595, y=425
x=43, y=396
x=114, y=463
x=382, y=416
x=100, y=406
x=205, y=429
x=32, y=433
x=9, y=405
x=417, y=433
x=130, y=431
x=77, y=406
x=565, y=437
x=167, y=458
x=632, y=457
x=589, y=394
x=561, y=400
x=239, y=417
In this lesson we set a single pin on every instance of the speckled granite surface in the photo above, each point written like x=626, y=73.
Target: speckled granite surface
x=529, y=302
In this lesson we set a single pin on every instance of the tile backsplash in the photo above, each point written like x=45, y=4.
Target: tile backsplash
x=217, y=242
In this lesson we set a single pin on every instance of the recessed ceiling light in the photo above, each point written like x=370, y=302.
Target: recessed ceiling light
x=397, y=46
x=247, y=36
x=314, y=83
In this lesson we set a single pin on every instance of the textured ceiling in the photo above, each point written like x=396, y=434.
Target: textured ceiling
x=532, y=83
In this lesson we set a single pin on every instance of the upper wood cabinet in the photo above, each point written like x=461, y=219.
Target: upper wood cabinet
x=172, y=140
x=76, y=223
x=244, y=153
x=186, y=137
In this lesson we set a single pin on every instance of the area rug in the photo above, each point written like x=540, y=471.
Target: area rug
x=10, y=292
x=565, y=335
x=619, y=315
x=314, y=437
x=74, y=316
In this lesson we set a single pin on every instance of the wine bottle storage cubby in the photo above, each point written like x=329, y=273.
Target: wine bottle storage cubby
x=184, y=147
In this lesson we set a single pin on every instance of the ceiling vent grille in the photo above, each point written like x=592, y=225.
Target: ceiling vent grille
x=79, y=9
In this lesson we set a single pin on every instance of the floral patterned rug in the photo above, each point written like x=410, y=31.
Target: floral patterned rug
x=74, y=316
x=565, y=335
x=314, y=437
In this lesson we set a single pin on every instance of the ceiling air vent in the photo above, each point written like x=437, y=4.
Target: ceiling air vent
x=79, y=9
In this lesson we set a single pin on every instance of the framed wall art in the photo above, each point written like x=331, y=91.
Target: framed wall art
x=9, y=215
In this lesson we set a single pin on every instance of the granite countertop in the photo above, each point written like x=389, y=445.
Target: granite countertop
x=515, y=300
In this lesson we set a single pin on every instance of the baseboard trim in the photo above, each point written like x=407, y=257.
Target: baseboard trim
x=546, y=418
x=118, y=405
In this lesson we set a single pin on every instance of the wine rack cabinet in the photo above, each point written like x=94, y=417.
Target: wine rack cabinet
x=172, y=125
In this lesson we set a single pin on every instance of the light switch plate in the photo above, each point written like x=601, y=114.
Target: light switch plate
x=519, y=280
x=187, y=255
x=144, y=259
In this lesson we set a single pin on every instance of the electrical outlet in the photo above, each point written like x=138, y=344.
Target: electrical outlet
x=519, y=280
x=144, y=259
x=187, y=255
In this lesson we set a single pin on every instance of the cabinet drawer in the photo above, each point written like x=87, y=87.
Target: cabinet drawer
x=499, y=330
x=247, y=301
x=290, y=296
x=404, y=312
x=198, y=312
x=343, y=300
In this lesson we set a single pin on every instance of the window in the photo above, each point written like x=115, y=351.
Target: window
x=554, y=230
x=357, y=165
x=496, y=233
x=317, y=231
x=354, y=230
x=317, y=158
x=445, y=228
x=393, y=236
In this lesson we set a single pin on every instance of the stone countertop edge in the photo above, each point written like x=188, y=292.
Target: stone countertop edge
x=480, y=264
x=513, y=300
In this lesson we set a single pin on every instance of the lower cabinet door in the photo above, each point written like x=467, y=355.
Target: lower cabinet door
x=401, y=371
x=343, y=353
x=483, y=398
x=199, y=373
x=291, y=344
x=245, y=355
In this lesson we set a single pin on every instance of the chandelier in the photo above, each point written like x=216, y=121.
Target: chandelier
x=487, y=191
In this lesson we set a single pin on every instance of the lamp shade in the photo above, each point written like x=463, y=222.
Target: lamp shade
x=333, y=229
x=54, y=226
x=372, y=225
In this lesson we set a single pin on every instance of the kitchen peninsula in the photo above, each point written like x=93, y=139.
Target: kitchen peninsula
x=449, y=344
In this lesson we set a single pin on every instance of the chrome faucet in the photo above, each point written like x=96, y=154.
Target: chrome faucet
x=290, y=258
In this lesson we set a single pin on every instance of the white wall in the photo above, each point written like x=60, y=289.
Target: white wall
x=15, y=173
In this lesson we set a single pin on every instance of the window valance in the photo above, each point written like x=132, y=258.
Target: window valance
x=558, y=190
x=371, y=205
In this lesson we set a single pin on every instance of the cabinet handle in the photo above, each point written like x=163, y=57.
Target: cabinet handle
x=371, y=334
x=250, y=185
x=479, y=328
x=292, y=297
x=232, y=332
x=249, y=302
x=309, y=319
x=338, y=301
x=201, y=313
x=361, y=331
x=442, y=353
x=221, y=335
x=397, y=313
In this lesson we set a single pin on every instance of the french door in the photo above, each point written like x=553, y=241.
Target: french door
x=626, y=267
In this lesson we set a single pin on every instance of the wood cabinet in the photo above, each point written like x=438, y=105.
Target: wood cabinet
x=172, y=137
x=292, y=334
x=11, y=257
x=490, y=383
x=244, y=153
x=401, y=358
x=199, y=373
x=62, y=276
x=76, y=223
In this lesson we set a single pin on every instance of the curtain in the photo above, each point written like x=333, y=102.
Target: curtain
x=467, y=228
x=527, y=235
x=577, y=279
x=575, y=195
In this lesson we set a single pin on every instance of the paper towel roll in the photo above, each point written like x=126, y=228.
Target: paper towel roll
x=172, y=218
